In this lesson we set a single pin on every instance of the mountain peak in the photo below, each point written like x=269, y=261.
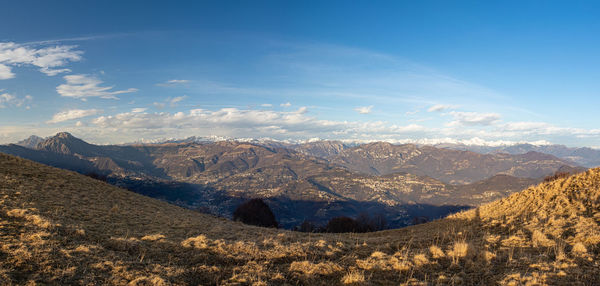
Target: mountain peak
x=64, y=135
x=65, y=143
x=31, y=142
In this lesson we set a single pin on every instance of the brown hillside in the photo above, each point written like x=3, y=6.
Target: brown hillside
x=59, y=227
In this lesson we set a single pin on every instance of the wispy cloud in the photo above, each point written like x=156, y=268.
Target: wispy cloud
x=7, y=99
x=173, y=101
x=440, y=107
x=73, y=114
x=473, y=118
x=287, y=104
x=364, y=109
x=139, y=110
x=76, y=39
x=84, y=86
x=173, y=82
x=47, y=59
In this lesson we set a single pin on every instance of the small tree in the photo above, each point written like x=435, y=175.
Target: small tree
x=307, y=226
x=367, y=223
x=364, y=222
x=255, y=212
x=379, y=222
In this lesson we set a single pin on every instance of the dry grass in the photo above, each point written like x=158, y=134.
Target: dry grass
x=61, y=228
x=353, y=278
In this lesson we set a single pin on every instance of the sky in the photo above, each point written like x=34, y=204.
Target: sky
x=473, y=72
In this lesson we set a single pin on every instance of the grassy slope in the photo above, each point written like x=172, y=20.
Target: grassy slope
x=58, y=227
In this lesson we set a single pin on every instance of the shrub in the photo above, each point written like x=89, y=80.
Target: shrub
x=307, y=226
x=557, y=175
x=97, y=176
x=255, y=212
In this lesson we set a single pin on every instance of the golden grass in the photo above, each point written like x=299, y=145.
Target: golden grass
x=61, y=228
x=309, y=268
x=353, y=278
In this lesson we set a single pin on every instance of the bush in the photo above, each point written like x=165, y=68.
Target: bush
x=557, y=175
x=99, y=177
x=255, y=212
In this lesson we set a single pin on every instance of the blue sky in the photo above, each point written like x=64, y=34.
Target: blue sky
x=486, y=72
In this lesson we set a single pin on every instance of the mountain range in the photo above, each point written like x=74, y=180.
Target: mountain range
x=313, y=181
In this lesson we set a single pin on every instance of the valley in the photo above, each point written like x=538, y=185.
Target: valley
x=307, y=182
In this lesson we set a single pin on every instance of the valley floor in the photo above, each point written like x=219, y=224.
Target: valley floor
x=59, y=227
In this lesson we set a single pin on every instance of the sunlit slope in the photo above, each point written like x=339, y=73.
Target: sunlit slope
x=564, y=211
x=59, y=227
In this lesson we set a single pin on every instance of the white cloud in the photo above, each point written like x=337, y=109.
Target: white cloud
x=53, y=72
x=440, y=107
x=139, y=110
x=159, y=105
x=5, y=72
x=287, y=104
x=7, y=99
x=173, y=82
x=266, y=105
x=47, y=59
x=364, y=109
x=83, y=86
x=73, y=114
x=473, y=118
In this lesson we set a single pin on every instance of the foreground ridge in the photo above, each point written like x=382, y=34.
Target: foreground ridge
x=59, y=227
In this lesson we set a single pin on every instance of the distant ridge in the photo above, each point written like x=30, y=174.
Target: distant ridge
x=584, y=156
x=447, y=165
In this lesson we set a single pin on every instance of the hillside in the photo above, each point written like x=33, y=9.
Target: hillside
x=447, y=165
x=59, y=227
